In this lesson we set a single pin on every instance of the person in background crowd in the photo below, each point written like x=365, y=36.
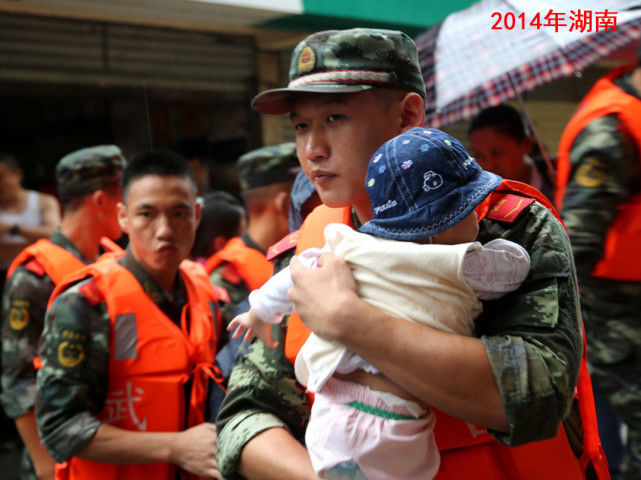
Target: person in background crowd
x=511, y=384
x=500, y=142
x=266, y=176
x=599, y=197
x=25, y=215
x=129, y=343
x=223, y=218
x=88, y=186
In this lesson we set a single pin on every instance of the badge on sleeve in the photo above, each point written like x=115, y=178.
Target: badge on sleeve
x=591, y=173
x=19, y=314
x=71, y=349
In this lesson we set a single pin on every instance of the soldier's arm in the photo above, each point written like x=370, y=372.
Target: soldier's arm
x=262, y=395
x=43, y=464
x=533, y=336
x=605, y=174
x=23, y=310
x=73, y=379
x=191, y=449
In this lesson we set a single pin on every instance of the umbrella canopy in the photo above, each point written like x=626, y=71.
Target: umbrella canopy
x=496, y=49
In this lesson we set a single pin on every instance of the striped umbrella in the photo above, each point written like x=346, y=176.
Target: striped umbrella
x=495, y=50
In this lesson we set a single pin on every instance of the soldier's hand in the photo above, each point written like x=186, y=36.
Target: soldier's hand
x=194, y=450
x=324, y=297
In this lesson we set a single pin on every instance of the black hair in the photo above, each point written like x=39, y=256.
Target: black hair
x=10, y=161
x=156, y=162
x=222, y=214
x=504, y=118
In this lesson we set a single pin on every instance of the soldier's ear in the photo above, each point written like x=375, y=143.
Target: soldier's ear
x=412, y=111
x=123, y=219
x=281, y=201
x=198, y=209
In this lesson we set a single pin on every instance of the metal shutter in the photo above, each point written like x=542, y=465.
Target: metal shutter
x=43, y=49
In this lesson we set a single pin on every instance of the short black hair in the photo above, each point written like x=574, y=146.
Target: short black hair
x=504, y=118
x=10, y=161
x=222, y=214
x=155, y=162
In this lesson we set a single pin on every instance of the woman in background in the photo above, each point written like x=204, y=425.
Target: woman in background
x=501, y=144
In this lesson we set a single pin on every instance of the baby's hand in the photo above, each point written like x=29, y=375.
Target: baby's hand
x=250, y=324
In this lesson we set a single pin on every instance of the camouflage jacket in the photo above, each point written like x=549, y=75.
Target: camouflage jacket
x=71, y=395
x=606, y=172
x=532, y=338
x=25, y=299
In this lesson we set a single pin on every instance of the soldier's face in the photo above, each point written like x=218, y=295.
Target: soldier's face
x=160, y=214
x=336, y=134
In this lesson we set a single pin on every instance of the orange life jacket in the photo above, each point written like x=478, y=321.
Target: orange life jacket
x=151, y=359
x=468, y=450
x=44, y=257
x=49, y=258
x=251, y=264
x=620, y=260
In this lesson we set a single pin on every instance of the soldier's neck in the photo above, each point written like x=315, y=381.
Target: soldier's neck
x=266, y=231
x=85, y=237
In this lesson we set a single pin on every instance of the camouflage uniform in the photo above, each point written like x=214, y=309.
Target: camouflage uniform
x=607, y=173
x=70, y=397
x=532, y=337
x=23, y=297
x=26, y=293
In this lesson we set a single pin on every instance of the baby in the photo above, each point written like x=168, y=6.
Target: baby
x=417, y=259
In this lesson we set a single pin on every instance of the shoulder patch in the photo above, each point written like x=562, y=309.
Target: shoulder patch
x=508, y=208
x=230, y=274
x=283, y=245
x=91, y=293
x=222, y=294
x=34, y=267
x=19, y=314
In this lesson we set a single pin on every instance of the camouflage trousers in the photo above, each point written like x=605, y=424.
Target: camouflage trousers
x=614, y=352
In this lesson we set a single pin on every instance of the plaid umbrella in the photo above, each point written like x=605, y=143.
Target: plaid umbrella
x=495, y=50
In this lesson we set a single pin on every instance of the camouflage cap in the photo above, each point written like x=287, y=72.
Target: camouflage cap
x=268, y=165
x=343, y=61
x=87, y=170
